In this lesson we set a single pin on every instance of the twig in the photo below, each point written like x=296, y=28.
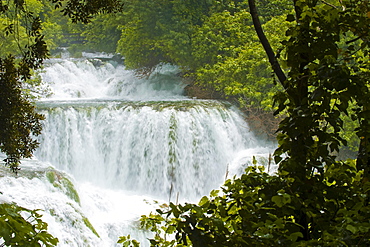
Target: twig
x=177, y=198
x=169, y=198
x=269, y=164
x=227, y=172
x=329, y=4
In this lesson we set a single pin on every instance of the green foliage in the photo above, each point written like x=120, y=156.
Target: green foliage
x=18, y=20
x=140, y=33
x=268, y=9
x=259, y=209
x=84, y=11
x=23, y=227
x=158, y=31
x=19, y=118
x=323, y=81
x=126, y=241
x=238, y=67
x=102, y=33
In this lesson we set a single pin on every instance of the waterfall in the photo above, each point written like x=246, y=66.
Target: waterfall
x=114, y=145
x=146, y=147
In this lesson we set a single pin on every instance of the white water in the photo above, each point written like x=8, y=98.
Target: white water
x=124, y=142
x=82, y=78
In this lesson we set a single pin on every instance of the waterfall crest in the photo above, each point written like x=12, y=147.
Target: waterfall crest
x=146, y=147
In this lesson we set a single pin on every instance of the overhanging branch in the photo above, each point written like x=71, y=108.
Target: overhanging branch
x=266, y=44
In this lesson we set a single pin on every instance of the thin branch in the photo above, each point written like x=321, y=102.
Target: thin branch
x=329, y=4
x=355, y=39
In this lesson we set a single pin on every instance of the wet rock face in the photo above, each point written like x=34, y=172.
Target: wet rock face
x=53, y=192
x=57, y=178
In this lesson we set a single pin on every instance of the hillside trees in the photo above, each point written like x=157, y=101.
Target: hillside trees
x=212, y=41
x=314, y=199
x=159, y=31
x=102, y=33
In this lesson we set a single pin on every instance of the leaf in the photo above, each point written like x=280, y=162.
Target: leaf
x=175, y=210
x=281, y=200
x=352, y=229
x=214, y=193
x=203, y=201
x=254, y=161
x=294, y=236
x=159, y=211
x=278, y=200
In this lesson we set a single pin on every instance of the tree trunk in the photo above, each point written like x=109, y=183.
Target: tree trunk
x=363, y=156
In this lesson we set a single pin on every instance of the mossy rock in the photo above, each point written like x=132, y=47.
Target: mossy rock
x=58, y=180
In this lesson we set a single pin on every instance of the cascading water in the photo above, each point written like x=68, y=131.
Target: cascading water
x=112, y=144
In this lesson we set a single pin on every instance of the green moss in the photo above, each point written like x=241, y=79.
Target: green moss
x=70, y=190
x=52, y=212
x=50, y=175
x=64, y=184
x=85, y=220
x=90, y=226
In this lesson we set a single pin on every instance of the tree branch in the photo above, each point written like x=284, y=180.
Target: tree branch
x=355, y=39
x=266, y=44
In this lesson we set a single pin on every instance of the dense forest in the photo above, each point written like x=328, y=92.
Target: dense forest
x=298, y=68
